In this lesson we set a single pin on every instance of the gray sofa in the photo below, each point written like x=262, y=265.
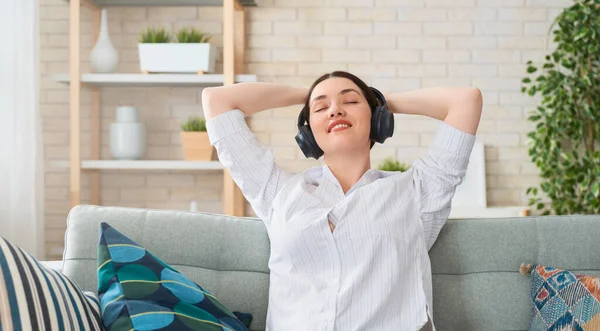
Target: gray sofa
x=475, y=262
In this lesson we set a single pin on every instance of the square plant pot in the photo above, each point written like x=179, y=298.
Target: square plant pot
x=196, y=146
x=177, y=58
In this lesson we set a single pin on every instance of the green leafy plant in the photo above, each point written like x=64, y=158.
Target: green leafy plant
x=192, y=35
x=565, y=143
x=194, y=124
x=391, y=164
x=155, y=36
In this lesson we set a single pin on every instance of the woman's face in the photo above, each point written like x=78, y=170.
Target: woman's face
x=340, y=117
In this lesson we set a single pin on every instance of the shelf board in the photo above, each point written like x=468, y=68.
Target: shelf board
x=151, y=165
x=143, y=165
x=147, y=80
x=463, y=212
x=170, y=3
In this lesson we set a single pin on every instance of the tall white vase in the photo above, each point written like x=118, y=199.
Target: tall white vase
x=127, y=135
x=104, y=56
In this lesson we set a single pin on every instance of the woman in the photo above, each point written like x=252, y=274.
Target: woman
x=349, y=244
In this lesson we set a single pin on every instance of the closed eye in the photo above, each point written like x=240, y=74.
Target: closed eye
x=346, y=102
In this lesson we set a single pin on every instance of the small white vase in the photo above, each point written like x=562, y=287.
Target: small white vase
x=104, y=57
x=127, y=135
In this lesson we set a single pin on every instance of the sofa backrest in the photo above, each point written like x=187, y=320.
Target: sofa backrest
x=475, y=263
x=475, y=266
x=228, y=256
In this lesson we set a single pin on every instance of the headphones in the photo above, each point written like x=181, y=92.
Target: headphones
x=382, y=127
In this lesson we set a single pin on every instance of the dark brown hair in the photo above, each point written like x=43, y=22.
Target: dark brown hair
x=366, y=91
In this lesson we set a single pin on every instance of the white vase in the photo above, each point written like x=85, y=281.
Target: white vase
x=127, y=135
x=104, y=57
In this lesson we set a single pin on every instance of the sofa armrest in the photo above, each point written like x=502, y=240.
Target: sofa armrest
x=56, y=265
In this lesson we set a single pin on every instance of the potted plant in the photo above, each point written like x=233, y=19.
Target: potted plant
x=190, y=52
x=151, y=40
x=194, y=138
x=391, y=164
x=565, y=144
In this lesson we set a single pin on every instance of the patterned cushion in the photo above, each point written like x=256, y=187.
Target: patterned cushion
x=564, y=301
x=33, y=297
x=139, y=291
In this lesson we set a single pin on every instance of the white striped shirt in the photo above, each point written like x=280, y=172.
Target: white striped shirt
x=373, y=271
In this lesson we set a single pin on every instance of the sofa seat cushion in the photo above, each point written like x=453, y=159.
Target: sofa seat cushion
x=562, y=300
x=137, y=290
x=35, y=297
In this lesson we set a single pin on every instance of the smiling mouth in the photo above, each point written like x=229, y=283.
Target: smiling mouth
x=340, y=127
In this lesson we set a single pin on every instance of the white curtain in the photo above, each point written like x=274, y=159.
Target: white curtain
x=21, y=160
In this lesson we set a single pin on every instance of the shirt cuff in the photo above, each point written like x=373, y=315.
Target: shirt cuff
x=226, y=124
x=454, y=141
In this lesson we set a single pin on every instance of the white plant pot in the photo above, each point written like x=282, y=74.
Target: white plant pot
x=127, y=135
x=127, y=141
x=177, y=58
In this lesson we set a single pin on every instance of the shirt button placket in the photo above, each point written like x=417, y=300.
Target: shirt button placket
x=335, y=283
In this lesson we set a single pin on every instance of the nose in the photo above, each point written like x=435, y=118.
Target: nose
x=335, y=110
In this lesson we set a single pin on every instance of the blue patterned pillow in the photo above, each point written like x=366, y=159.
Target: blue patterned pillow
x=34, y=297
x=139, y=291
x=564, y=301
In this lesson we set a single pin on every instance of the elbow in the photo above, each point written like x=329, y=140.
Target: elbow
x=207, y=92
x=474, y=99
x=466, y=109
x=214, y=102
x=207, y=101
x=468, y=101
x=473, y=108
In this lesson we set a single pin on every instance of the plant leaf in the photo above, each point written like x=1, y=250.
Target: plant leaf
x=596, y=189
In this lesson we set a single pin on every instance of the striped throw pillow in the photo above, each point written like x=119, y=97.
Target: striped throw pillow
x=33, y=297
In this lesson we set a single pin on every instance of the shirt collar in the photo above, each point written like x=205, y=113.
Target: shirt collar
x=368, y=177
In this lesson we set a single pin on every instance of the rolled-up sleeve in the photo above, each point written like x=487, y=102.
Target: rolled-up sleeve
x=251, y=165
x=437, y=174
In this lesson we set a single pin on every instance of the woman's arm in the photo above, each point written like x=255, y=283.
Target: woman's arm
x=251, y=165
x=437, y=174
x=459, y=107
x=250, y=98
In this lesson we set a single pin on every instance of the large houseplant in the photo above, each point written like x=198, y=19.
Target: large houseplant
x=565, y=144
x=194, y=138
x=189, y=52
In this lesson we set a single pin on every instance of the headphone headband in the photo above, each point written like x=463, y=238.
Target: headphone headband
x=379, y=97
x=301, y=118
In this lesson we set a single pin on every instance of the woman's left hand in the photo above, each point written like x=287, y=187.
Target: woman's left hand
x=460, y=107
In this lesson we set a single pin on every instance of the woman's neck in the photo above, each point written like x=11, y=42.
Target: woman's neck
x=348, y=168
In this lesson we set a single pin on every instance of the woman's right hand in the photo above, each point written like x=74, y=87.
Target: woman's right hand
x=250, y=98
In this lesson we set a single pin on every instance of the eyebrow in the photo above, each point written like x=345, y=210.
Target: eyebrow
x=348, y=90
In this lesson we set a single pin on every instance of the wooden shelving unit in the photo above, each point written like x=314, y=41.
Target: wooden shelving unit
x=150, y=3
x=142, y=80
x=233, y=72
x=143, y=165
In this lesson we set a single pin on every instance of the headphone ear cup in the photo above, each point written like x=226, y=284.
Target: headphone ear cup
x=375, y=124
x=386, y=125
x=382, y=124
x=307, y=143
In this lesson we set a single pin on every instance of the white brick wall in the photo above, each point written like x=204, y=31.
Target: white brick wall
x=392, y=44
